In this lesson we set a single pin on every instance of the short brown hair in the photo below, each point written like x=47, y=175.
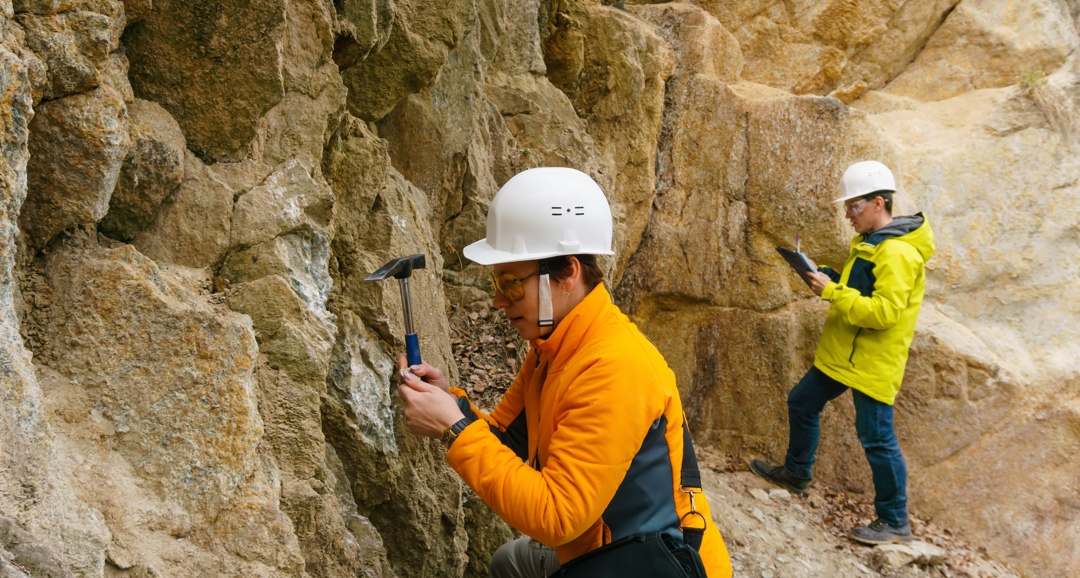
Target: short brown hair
x=885, y=195
x=591, y=274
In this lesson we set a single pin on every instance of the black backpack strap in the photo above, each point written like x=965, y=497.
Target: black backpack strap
x=691, y=484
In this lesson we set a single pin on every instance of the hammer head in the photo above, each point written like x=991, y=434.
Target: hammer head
x=400, y=268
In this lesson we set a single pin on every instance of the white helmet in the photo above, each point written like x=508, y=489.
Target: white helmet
x=865, y=178
x=543, y=213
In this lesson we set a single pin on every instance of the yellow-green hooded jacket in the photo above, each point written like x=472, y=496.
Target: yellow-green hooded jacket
x=875, y=303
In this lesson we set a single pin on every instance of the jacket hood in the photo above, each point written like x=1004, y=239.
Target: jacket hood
x=914, y=230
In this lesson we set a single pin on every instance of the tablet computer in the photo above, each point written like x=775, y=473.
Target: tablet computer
x=799, y=262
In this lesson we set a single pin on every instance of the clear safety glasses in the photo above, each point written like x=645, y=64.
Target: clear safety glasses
x=856, y=207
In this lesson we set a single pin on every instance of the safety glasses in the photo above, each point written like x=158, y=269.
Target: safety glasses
x=856, y=207
x=510, y=285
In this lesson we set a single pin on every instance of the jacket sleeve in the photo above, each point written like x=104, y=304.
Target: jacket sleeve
x=895, y=273
x=602, y=422
x=507, y=422
x=832, y=273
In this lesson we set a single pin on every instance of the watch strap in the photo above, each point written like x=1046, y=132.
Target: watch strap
x=450, y=435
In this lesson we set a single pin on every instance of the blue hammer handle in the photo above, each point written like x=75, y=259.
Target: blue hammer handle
x=412, y=349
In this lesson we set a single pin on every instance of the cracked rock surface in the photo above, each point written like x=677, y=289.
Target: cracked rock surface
x=195, y=379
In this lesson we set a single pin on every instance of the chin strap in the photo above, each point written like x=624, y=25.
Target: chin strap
x=547, y=315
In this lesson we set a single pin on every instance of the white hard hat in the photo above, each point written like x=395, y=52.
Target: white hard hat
x=865, y=178
x=543, y=213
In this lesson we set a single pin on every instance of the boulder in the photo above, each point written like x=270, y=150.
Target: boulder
x=892, y=557
x=77, y=146
x=75, y=45
x=153, y=168
x=287, y=201
x=293, y=339
x=175, y=387
x=422, y=36
x=216, y=67
x=366, y=25
x=192, y=225
x=929, y=554
x=989, y=44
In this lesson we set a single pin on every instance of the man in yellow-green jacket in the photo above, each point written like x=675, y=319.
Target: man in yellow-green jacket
x=864, y=346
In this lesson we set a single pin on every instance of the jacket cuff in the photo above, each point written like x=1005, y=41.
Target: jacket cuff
x=830, y=288
x=458, y=452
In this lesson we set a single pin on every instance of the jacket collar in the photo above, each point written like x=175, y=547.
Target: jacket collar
x=899, y=227
x=568, y=336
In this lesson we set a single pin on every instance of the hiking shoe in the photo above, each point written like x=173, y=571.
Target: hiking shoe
x=779, y=476
x=879, y=532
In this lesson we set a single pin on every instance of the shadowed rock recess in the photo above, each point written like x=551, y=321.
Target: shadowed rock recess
x=195, y=380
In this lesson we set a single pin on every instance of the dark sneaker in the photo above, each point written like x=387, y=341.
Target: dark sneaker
x=779, y=476
x=879, y=532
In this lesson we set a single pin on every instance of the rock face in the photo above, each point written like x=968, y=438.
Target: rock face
x=216, y=67
x=152, y=169
x=1004, y=42
x=77, y=146
x=196, y=380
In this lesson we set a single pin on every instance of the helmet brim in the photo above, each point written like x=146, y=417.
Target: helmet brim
x=484, y=254
x=856, y=196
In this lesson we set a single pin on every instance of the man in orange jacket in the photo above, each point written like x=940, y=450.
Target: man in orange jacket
x=587, y=445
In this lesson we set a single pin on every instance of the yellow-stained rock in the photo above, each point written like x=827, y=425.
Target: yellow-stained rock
x=808, y=46
x=77, y=145
x=618, y=90
x=152, y=169
x=75, y=45
x=989, y=44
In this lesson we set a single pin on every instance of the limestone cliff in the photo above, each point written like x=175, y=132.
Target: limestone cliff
x=196, y=381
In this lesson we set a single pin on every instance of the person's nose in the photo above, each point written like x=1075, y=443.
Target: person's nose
x=500, y=301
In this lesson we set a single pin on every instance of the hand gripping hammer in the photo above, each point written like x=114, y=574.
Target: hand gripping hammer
x=401, y=269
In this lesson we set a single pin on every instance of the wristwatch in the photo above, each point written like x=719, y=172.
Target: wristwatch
x=453, y=431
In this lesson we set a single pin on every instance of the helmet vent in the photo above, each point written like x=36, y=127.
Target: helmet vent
x=557, y=211
x=579, y=210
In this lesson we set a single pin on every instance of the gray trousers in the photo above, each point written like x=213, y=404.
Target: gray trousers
x=520, y=559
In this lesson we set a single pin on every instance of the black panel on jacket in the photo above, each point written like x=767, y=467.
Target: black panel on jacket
x=644, y=501
x=862, y=277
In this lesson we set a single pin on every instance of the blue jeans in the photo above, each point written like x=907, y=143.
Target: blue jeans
x=874, y=426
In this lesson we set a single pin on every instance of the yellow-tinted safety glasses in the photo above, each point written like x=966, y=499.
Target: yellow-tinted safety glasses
x=510, y=285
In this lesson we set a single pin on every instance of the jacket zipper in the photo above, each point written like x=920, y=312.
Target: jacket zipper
x=851, y=358
x=536, y=455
